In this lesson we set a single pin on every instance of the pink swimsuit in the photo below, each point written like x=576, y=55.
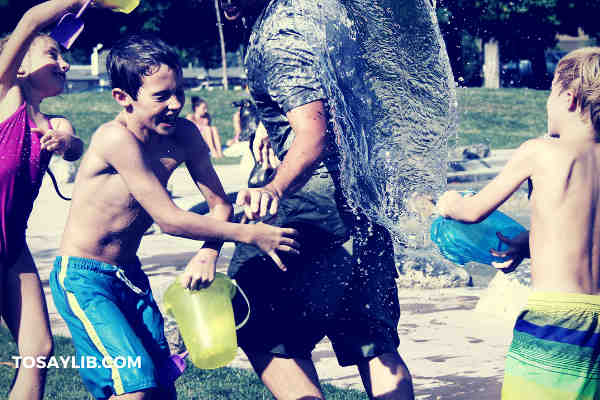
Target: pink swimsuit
x=22, y=167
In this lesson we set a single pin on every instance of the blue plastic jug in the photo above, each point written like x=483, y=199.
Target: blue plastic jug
x=460, y=242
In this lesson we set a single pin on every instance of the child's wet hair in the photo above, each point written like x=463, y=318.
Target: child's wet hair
x=196, y=101
x=136, y=56
x=579, y=71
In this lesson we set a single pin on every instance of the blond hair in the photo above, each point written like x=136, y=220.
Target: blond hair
x=579, y=71
x=37, y=36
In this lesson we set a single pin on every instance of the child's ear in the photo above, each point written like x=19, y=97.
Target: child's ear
x=122, y=97
x=573, y=101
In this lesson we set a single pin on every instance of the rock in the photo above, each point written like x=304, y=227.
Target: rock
x=430, y=271
x=470, y=152
x=64, y=171
x=507, y=294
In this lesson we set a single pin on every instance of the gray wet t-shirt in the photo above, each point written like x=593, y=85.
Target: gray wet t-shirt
x=284, y=63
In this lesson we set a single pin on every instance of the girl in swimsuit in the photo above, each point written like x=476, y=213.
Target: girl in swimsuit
x=31, y=69
x=201, y=118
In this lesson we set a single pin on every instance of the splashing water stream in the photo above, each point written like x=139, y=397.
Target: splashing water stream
x=393, y=106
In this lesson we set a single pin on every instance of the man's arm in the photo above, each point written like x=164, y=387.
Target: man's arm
x=310, y=127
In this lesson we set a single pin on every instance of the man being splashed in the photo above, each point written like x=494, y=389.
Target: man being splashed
x=352, y=300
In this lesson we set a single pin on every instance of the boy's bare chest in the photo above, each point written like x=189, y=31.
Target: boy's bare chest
x=163, y=158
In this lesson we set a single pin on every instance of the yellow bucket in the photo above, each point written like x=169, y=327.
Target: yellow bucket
x=124, y=6
x=205, y=320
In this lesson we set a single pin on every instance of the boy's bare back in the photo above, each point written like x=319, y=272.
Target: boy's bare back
x=565, y=215
x=565, y=172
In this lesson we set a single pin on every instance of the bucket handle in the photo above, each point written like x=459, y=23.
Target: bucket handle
x=238, y=326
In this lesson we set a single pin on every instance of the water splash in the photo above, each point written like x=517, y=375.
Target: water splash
x=392, y=97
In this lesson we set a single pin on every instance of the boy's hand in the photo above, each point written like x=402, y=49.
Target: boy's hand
x=53, y=140
x=200, y=270
x=269, y=238
x=446, y=202
x=517, y=251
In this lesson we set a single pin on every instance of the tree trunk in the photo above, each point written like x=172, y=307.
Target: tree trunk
x=222, y=42
x=541, y=78
x=491, y=65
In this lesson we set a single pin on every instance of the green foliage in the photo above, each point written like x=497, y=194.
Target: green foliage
x=525, y=29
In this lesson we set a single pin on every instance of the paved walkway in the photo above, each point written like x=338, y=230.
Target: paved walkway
x=452, y=351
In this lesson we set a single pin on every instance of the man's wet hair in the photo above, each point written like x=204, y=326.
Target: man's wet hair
x=135, y=56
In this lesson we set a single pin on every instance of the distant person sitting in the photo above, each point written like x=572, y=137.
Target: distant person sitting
x=237, y=128
x=201, y=118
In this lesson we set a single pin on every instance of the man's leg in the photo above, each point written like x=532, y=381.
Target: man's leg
x=287, y=378
x=386, y=377
x=26, y=315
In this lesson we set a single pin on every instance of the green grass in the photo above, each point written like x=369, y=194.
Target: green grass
x=219, y=384
x=502, y=118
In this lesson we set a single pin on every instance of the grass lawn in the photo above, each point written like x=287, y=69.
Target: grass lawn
x=219, y=384
x=502, y=118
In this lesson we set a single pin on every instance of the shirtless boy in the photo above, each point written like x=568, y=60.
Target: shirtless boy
x=97, y=281
x=554, y=352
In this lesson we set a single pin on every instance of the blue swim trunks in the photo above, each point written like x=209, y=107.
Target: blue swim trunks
x=112, y=317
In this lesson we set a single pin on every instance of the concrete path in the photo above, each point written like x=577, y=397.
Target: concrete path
x=452, y=351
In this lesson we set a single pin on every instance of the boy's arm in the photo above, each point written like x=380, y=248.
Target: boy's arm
x=518, y=250
x=478, y=207
x=200, y=270
x=121, y=150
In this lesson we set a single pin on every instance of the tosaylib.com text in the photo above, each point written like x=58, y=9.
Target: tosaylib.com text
x=76, y=362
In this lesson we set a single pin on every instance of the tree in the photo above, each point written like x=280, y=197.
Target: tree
x=222, y=42
x=524, y=29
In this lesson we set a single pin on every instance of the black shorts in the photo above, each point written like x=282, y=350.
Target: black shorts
x=352, y=299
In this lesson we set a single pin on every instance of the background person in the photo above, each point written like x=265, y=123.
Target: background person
x=210, y=133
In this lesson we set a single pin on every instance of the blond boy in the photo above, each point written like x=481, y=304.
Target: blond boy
x=555, y=349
